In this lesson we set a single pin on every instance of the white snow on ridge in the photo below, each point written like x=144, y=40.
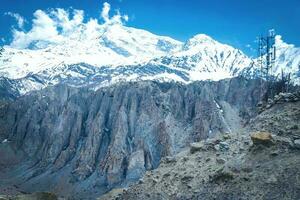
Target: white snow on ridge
x=288, y=57
x=59, y=37
x=204, y=58
x=113, y=46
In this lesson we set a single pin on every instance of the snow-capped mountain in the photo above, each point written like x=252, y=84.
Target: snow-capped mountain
x=115, y=53
x=204, y=58
x=111, y=45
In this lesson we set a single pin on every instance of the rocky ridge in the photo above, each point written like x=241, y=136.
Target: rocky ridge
x=260, y=161
x=81, y=143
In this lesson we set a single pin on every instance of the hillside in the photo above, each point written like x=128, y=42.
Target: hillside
x=81, y=143
x=260, y=161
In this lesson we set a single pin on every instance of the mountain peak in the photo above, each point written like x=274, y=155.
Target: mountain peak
x=201, y=37
x=197, y=40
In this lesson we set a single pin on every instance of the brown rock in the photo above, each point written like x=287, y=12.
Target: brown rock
x=264, y=138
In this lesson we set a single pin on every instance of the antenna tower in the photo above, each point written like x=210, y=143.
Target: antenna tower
x=266, y=57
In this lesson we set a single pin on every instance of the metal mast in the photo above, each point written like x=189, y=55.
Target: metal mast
x=267, y=56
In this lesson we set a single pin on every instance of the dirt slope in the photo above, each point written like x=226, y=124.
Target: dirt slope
x=232, y=166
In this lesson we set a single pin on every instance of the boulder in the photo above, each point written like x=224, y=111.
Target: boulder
x=168, y=160
x=196, y=146
x=286, y=97
x=261, y=138
x=272, y=179
x=226, y=136
x=289, y=97
x=297, y=143
x=277, y=98
x=222, y=146
x=221, y=160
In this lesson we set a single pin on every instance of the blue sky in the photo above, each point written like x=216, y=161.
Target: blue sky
x=235, y=22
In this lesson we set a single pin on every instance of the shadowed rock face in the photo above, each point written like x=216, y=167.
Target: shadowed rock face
x=75, y=141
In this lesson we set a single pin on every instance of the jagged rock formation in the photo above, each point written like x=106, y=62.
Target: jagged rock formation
x=81, y=143
x=8, y=90
x=266, y=167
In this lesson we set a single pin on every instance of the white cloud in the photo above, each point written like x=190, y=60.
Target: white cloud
x=117, y=18
x=105, y=12
x=20, y=20
x=63, y=21
x=126, y=18
x=280, y=43
x=59, y=25
x=44, y=30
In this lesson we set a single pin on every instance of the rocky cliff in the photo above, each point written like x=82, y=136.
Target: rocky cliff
x=260, y=161
x=77, y=142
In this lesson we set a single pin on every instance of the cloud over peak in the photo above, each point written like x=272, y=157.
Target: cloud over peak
x=105, y=11
x=117, y=18
x=20, y=20
x=58, y=25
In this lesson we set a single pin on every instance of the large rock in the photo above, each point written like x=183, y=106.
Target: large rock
x=261, y=138
x=196, y=146
x=297, y=143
